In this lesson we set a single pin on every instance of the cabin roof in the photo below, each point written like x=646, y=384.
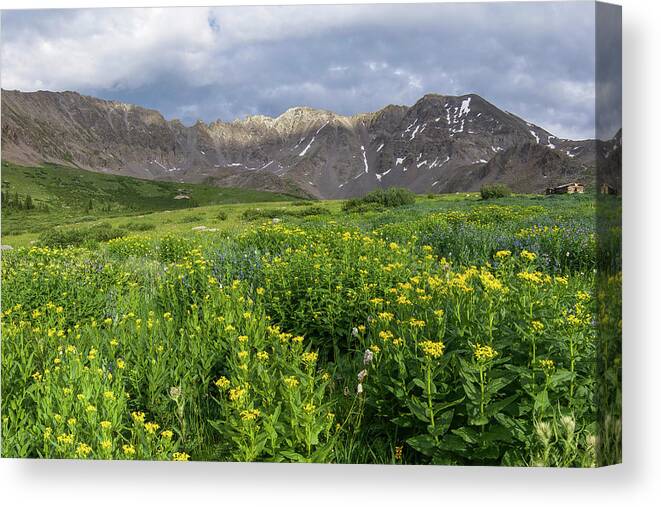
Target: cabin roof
x=573, y=184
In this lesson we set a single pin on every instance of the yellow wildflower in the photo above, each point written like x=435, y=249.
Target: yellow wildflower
x=385, y=316
x=263, y=355
x=528, y=256
x=547, y=364
x=310, y=357
x=309, y=408
x=250, y=414
x=537, y=326
x=138, y=417
x=432, y=349
x=484, y=353
x=83, y=450
x=65, y=438
x=151, y=427
x=222, y=383
x=236, y=393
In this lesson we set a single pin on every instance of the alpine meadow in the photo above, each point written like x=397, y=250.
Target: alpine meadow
x=434, y=283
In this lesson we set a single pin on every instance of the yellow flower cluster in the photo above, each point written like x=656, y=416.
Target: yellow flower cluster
x=490, y=282
x=547, y=364
x=151, y=427
x=310, y=357
x=138, y=417
x=263, y=355
x=250, y=414
x=534, y=277
x=309, y=408
x=83, y=450
x=222, y=383
x=484, y=353
x=236, y=393
x=432, y=349
x=537, y=326
x=291, y=382
x=528, y=256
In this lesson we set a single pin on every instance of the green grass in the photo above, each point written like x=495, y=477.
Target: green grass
x=22, y=228
x=67, y=193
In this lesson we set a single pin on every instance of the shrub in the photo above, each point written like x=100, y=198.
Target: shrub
x=494, y=191
x=222, y=216
x=77, y=236
x=139, y=226
x=191, y=218
x=257, y=213
x=310, y=211
x=389, y=198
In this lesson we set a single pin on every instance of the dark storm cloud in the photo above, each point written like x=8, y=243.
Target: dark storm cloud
x=536, y=60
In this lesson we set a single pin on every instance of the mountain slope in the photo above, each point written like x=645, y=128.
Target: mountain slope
x=440, y=144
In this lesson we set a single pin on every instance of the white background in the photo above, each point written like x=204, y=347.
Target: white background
x=636, y=482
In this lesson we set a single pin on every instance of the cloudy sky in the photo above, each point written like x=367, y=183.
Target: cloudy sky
x=534, y=59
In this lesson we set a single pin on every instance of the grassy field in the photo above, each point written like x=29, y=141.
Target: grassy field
x=64, y=195
x=449, y=330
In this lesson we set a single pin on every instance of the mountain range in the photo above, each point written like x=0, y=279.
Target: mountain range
x=440, y=144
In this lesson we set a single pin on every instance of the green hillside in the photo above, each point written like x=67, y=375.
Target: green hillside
x=36, y=198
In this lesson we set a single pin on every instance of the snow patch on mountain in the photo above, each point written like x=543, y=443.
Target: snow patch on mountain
x=535, y=136
x=301, y=154
x=465, y=106
x=367, y=169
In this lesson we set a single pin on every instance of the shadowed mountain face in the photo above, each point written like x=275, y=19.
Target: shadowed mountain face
x=440, y=144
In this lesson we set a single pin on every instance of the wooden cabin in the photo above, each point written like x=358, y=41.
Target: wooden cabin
x=567, y=188
x=607, y=189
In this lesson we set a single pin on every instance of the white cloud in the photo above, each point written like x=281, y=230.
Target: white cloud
x=533, y=59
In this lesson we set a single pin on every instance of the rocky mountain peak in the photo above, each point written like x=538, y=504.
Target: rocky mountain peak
x=442, y=143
